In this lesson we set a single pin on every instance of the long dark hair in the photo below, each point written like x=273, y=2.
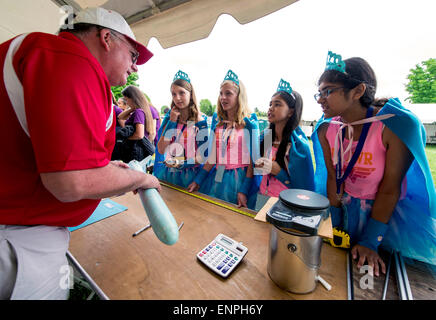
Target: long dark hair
x=293, y=102
x=357, y=71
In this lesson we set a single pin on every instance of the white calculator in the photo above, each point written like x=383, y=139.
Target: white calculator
x=222, y=255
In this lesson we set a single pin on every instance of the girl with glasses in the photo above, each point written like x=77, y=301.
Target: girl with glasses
x=370, y=161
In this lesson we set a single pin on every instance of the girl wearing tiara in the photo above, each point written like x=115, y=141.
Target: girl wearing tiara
x=286, y=160
x=370, y=161
x=228, y=172
x=182, y=132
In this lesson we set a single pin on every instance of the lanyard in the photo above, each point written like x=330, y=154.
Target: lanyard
x=356, y=154
x=180, y=134
x=174, y=139
x=225, y=140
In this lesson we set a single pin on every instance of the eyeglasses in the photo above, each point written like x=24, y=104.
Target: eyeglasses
x=134, y=53
x=325, y=93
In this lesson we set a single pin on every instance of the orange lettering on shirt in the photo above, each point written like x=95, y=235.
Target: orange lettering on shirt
x=368, y=158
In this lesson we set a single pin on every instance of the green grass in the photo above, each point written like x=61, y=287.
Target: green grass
x=430, y=150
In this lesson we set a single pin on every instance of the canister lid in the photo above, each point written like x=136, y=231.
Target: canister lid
x=304, y=200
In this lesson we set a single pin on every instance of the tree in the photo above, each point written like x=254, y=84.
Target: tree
x=422, y=82
x=131, y=81
x=260, y=113
x=206, y=107
x=163, y=108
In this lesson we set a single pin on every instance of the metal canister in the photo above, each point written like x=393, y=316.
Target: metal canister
x=294, y=255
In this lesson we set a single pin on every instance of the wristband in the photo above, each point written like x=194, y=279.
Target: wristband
x=245, y=187
x=373, y=234
x=336, y=214
x=201, y=175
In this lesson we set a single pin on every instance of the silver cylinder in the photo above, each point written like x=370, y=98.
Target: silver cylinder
x=294, y=260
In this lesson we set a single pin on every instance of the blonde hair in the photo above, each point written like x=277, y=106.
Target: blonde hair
x=243, y=109
x=193, y=105
x=140, y=101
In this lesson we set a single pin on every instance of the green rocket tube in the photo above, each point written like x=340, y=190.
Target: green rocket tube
x=162, y=221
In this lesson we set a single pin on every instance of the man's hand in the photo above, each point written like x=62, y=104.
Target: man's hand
x=150, y=182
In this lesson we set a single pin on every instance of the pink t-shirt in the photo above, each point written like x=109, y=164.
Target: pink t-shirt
x=235, y=154
x=270, y=185
x=183, y=144
x=367, y=173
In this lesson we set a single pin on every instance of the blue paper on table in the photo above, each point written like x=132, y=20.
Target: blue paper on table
x=106, y=208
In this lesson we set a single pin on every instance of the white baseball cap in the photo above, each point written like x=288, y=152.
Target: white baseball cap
x=113, y=20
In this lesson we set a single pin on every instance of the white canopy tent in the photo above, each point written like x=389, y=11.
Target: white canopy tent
x=171, y=22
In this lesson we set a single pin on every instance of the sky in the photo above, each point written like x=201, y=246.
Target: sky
x=292, y=43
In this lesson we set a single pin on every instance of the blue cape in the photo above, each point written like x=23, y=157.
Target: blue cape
x=412, y=227
x=160, y=158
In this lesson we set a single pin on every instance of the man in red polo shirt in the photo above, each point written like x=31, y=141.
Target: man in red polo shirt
x=58, y=132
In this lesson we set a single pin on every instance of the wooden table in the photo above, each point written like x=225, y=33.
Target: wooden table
x=142, y=267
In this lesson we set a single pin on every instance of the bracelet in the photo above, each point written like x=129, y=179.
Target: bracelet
x=373, y=234
x=245, y=187
x=201, y=175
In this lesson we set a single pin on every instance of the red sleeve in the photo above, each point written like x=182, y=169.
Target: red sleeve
x=66, y=101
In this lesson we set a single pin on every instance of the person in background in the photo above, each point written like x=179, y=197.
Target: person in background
x=176, y=157
x=121, y=132
x=122, y=103
x=286, y=160
x=118, y=110
x=156, y=118
x=57, y=166
x=138, y=115
x=371, y=163
x=165, y=110
x=228, y=171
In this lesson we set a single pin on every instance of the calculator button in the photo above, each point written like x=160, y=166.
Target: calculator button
x=235, y=258
x=200, y=254
x=225, y=269
x=220, y=266
x=231, y=255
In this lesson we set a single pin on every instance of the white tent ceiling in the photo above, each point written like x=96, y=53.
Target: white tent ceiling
x=171, y=22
